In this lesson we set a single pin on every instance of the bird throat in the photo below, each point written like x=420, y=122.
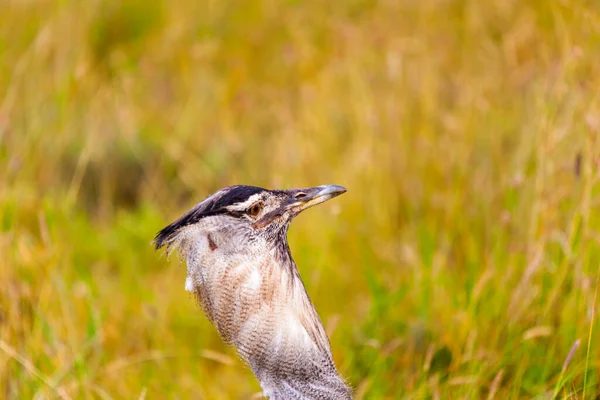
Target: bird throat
x=255, y=297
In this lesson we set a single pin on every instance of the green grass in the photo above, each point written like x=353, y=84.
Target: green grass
x=463, y=263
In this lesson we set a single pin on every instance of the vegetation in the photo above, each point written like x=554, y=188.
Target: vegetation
x=463, y=262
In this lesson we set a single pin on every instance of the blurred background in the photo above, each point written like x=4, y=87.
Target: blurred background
x=463, y=262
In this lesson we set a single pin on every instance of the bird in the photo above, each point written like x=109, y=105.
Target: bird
x=241, y=271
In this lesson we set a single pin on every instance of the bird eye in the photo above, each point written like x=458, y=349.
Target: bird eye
x=255, y=209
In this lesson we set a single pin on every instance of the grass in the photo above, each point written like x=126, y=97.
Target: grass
x=462, y=263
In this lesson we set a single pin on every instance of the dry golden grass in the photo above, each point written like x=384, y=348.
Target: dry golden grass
x=463, y=262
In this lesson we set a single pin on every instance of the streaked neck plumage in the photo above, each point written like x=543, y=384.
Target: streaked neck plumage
x=251, y=290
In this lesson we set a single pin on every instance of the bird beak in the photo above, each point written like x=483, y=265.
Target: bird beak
x=301, y=199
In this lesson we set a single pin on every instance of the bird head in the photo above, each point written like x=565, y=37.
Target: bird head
x=255, y=211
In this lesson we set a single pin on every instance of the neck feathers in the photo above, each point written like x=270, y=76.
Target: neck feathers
x=258, y=303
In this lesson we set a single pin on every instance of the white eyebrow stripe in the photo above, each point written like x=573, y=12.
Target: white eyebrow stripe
x=246, y=204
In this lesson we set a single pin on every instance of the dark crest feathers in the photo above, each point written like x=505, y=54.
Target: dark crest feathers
x=212, y=205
